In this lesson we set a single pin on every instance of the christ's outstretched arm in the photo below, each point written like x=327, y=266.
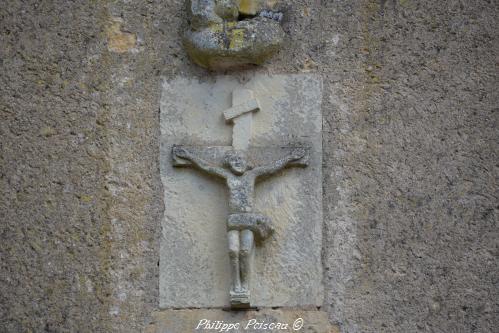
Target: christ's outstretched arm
x=199, y=162
x=280, y=164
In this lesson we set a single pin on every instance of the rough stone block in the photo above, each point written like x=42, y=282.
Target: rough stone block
x=225, y=34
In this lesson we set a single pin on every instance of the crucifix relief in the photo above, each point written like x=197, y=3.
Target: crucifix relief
x=245, y=218
x=245, y=225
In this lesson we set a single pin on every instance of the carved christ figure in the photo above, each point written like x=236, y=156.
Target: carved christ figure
x=244, y=226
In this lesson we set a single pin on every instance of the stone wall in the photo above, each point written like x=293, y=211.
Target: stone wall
x=410, y=159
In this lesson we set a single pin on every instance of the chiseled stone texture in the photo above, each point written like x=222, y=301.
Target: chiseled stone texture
x=199, y=320
x=219, y=37
x=194, y=260
x=410, y=148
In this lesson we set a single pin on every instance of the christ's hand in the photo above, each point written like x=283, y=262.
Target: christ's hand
x=297, y=154
x=181, y=152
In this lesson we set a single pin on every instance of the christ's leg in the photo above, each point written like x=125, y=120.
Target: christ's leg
x=247, y=243
x=233, y=236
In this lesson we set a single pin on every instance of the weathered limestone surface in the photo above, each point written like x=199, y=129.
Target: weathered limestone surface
x=200, y=320
x=234, y=44
x=194, y=261
x=230, y=34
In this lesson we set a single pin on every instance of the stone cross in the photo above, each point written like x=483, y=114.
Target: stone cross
x=245, y=226
x=241, y=114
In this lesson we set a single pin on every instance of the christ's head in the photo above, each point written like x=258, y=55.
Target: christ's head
x=236, y=161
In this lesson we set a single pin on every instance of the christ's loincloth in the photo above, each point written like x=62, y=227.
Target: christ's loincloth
x=261, y=225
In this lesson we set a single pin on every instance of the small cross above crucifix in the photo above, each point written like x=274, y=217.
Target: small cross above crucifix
x=241, y=114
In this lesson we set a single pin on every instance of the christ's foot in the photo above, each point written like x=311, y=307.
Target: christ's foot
x=240, y=299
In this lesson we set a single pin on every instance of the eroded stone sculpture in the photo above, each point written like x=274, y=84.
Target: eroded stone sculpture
x=245, y=226
x=230, y=33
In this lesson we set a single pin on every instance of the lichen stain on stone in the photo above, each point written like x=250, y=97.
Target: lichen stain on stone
x=404, y=3
x=119, y=41
x=252, y=7
x=217, y=27
x=248, y=7
x=47, y=131
x=86, y=198
x=237, y=39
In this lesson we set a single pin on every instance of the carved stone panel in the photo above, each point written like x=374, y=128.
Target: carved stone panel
x=194, y=257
